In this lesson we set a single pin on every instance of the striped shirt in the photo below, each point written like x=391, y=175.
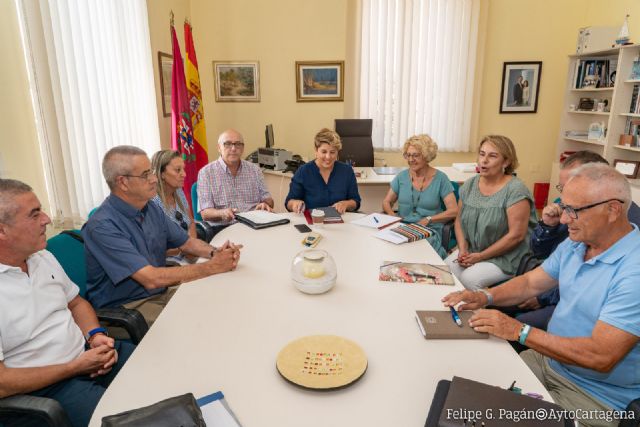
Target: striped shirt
x=170, y=212
x=219, y=189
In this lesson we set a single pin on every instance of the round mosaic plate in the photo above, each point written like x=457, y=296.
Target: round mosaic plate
x=322, y=362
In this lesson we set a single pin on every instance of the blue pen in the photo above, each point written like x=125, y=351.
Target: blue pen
x=375, y=219
x=455, y=316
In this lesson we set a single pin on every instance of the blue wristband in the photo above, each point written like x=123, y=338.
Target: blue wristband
x=524, y=333
x=95, y=331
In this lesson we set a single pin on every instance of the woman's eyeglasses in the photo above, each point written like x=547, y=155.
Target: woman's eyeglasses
x=412, y=156
x=180, y=219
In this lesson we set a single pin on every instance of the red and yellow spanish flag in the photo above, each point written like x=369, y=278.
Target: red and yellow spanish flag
x=196, y=109
x=181, y=127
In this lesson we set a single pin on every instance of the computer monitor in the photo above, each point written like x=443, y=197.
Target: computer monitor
x=268, y=134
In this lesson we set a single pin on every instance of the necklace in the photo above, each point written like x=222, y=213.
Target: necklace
x=415, y=201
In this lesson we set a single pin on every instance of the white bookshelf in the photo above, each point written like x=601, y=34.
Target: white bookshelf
x=619, y=99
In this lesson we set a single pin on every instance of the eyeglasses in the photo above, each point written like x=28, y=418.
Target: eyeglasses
x=573, y=212
x=238, y=144
x=148, y=174
x=559, y=187
x=180, y=219
x=413, y=156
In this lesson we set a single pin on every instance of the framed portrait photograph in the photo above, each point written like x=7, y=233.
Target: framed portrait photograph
x=165, y=64
x=628, y=168
x=319, y=81
x=237, y=81
x=520, y=87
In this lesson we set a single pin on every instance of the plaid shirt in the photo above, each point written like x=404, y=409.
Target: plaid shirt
x=219, y=189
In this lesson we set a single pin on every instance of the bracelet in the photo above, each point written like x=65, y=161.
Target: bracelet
x=524, y=333
x=489, y=296
x=94, y=331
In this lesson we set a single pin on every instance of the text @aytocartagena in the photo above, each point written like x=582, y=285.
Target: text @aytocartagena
x=539, y=414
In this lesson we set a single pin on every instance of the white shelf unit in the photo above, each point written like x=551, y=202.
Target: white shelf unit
x=619, y=98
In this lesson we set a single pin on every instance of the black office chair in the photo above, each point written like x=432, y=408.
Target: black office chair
x=357, y=144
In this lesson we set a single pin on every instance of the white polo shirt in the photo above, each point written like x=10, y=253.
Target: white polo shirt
x=36, y=326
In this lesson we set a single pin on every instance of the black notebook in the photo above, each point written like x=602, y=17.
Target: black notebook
x=261, y=219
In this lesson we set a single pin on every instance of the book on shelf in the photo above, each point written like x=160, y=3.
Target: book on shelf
x=633, y=106
x=635, y=71
x=631, y=136
x=599, y=69
x=582, y=134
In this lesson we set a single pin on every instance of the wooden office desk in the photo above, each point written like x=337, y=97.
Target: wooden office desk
x=371, y=186
x=224, y=333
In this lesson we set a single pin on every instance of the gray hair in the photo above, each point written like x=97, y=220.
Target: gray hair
x=606, y=181
x=118, y=162
x=10, y=188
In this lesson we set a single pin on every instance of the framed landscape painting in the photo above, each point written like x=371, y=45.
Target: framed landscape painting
x=319, y=81
x=520, y=87
x=236, y=81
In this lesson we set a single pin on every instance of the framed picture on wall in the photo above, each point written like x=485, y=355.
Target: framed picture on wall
x=319, y=81
x=520, y=87
x=237, y=81
x=165, y=64
x=628, y=168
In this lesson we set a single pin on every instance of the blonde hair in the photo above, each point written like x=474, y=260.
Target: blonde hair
x=423, y=142
x=159, y=164
x=505, y=148
x=327, y=136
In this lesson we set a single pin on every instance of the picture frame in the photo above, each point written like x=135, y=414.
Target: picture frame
x=237, y=81
x=520, y=87
x=319, y=81
x=165, y=68
x=628, y=168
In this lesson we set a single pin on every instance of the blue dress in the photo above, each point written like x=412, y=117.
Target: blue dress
x=414, y=205
x=307, y=185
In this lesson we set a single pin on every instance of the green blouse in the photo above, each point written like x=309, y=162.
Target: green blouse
x=484, y=219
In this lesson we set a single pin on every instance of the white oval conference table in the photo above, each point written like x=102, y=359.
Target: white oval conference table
x=224, y=333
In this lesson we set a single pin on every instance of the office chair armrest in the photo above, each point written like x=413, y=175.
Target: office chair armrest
x=447, y=229
x=47, y=410
x=635, y=407
x=131, y=320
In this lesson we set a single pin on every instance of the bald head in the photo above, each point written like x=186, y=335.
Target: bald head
x=231, y=147
x=603, y=182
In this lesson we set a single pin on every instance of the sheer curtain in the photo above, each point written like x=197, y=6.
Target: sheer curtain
x=91, y=79
x=417, y=70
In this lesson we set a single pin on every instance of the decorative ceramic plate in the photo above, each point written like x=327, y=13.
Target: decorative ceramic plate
x=322, y=362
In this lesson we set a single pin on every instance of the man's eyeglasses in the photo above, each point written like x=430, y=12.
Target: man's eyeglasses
x=413, y=156
x=180, y=219
x=573, y=212
x=228, y=144
x=148, y=174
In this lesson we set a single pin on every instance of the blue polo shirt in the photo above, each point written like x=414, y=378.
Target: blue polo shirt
x=120, y=240
x=605, y=288
x=307, y=185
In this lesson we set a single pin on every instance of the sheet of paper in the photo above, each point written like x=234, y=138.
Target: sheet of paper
x=216, y=412
x=370, y=220
x=391, y=236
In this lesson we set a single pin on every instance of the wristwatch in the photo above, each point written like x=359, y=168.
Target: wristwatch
x=91, y=333
x=428, y=220
x=489, y=296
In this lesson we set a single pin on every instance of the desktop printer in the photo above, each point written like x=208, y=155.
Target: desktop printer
x=273, y=158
